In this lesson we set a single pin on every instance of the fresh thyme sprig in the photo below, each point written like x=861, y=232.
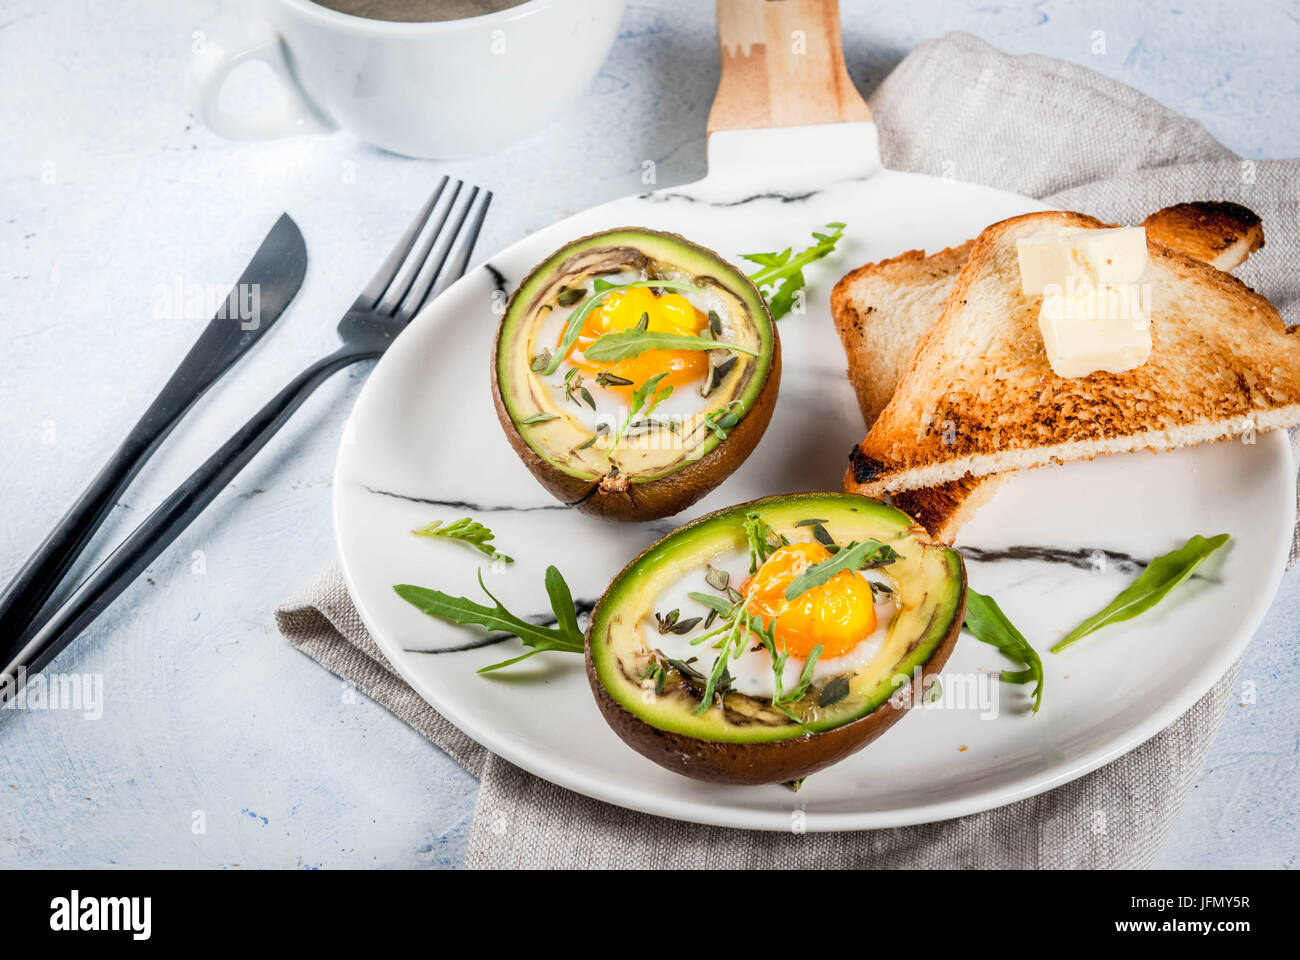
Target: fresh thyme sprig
x=739, y=624
x=645, y=400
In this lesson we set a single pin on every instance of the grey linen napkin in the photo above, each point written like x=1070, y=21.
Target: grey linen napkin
x=956, y=107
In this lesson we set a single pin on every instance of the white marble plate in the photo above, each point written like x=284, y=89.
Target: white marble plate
x=423, y=443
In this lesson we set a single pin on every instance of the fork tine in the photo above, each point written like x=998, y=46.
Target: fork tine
x=459, y=258
x=388, y=270
x=423, y=282
x=416, y=260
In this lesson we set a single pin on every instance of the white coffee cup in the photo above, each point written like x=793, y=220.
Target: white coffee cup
x=444, y=89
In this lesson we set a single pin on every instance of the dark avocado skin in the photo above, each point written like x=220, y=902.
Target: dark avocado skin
x=780, y=761
x=667, y=495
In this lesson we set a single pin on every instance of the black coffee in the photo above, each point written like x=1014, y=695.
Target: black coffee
x=418, y=11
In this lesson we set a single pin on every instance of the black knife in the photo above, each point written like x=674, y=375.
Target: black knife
x=259, y=297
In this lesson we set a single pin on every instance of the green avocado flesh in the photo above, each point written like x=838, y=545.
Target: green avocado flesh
x=560, y=429
x=928, y=583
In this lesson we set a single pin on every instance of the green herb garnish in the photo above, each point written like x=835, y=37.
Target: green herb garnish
x=760, y=536
x=713, y=603
x=781, y=276
x=986, y=621
x=823, y=536
x=645, y=400
x=834, y=692
x=539, y=418
x=1151, y=586
x=568, y=296
x=601, y=287
x=805, y=679
x=724, y=420
x=853, y=557
x=468, y=530
x=624, y=344
x=564, y=636
x=717, y=373
x=658, y=673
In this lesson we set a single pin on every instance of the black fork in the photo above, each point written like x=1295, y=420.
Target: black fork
x=431, y=254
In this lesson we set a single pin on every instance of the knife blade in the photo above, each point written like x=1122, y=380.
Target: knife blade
x=261, y=294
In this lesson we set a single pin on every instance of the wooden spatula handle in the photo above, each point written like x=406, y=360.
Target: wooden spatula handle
x=782, y=66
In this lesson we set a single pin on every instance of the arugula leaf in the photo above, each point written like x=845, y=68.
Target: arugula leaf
x=565, y=636
x=781, y=276
x=853, y=557
x=576, y=319
x=623, y=344
x=566, y=614
x=986, y=621
x=468, y=530
x=1151, y=586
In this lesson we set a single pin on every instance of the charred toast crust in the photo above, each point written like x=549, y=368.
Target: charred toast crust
x=1218, y=233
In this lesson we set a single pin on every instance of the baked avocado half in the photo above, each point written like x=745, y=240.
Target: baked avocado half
x=729, y=585
x=607, y=382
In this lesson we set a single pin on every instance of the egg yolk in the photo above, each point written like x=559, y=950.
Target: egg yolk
x=839, y=614
x=670, y=313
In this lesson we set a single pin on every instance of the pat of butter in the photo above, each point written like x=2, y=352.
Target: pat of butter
x=1087, y=328
x=1044, y=262
x=1109, y=256
x=1101, y=257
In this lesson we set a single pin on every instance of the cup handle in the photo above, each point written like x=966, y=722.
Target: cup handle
x=212, y=66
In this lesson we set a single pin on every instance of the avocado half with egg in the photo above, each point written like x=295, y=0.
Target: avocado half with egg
x=652, y=646
x=634, y=435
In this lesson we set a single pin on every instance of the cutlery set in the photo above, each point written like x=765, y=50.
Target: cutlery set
x=37, y=620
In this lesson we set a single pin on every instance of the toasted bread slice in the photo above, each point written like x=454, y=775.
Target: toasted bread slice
x=980, y=397
x=881, y=311
x=1220, y=234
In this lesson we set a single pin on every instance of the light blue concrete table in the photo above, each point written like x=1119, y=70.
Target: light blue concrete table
x=111, y=194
